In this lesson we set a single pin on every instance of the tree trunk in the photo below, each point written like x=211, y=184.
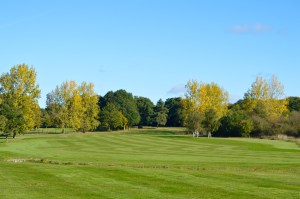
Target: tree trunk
x=209, y=135
x=14, y=135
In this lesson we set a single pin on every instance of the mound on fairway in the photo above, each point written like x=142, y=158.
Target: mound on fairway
x=147, y=164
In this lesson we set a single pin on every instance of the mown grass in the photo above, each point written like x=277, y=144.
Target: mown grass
x=147, y=163
x=51, y=131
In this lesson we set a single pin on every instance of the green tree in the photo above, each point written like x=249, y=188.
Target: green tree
x=125, y=103
x=194, y=122
x=161, y=113
x=235, y=124
x=19, y=89
x=293, y=124
x=146, y=110
x=293, y=103
x=161, y=119
x=176, y=114
x=210, y=121
x=13, y=118
x=46, y=120
x=3, y=121
x=111, y=117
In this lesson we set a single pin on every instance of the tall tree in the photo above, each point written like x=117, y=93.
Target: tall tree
x=194, y=122
x=12, y=118
x=161, y=113
x=210, y=121
x=20, y=89
x=89, y=120
x=74, y=106
x=293, y=103
x=176, y=114
x=210, y=101
x=202, y=97
x=111, y=117
x=235, y=124
x=266, y=98
x=146, y=110
x=125, y=103
x=161, y=119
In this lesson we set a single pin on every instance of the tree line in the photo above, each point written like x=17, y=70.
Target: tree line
x=205, y=109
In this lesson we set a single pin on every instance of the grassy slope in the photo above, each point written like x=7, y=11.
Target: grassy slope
x=148, y=165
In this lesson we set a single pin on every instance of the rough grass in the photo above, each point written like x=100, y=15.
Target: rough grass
x=149, y=163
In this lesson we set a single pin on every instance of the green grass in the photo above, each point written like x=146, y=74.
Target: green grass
x=51, y=131
x=147, y=163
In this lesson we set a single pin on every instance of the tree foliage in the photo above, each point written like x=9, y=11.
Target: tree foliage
x=74, y=106
x=194, y=122
x=19, y=91
x=12, y=118
x=210, y=121
x=125, y=103
x=293, y=103
x=203, y=97
x=265, y=98
x=161, y=113
x=111, y=117
x=209, y=101
x=176, y=114
x=146, y=110
x=236, y=123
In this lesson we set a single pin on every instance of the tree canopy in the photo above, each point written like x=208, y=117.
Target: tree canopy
x=19, y=93
x=74, y=106
x=125, y=103
x=264, y=110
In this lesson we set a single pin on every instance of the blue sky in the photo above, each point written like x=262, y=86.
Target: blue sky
x=153, y=47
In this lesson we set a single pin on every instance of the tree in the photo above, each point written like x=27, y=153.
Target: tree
x=161, y=113
x=74, y=106
x=46, y=120
x=3, y=122
x=236, y=123
x=293, y=124
x=20, y=92
x=12, y=118
x=210, y=121
x=161, y=119
x=201, y=97
x=146, y=110
x=293, y=103
x=62, y=104
x=111, y=117
x=176, y=114
x=193, y=122
x=89, y=120
x=209, y=101
x=125, y=103
x=266, y=98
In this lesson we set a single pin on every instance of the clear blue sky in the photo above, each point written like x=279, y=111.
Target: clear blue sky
x=153, y=47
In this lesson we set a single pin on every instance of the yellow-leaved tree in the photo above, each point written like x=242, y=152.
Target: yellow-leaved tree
x=91, y=108
x=20, y=91
x=266, y=98
x=74, y=106
x=210, y=101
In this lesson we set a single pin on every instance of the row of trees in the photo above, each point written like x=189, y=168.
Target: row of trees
x=263, y=112
x=205, y=109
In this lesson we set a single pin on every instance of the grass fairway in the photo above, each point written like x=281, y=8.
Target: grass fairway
x=147, y=164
